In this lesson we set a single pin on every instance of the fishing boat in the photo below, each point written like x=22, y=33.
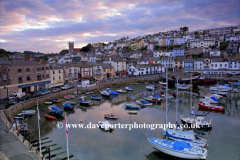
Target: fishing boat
x=55, y=110
x=131, y=106
x=144, y=102
x=136, y=83
x=207, y=105
x=70, y=102
x=132, y=112
x=105, y=125
x=198, y=121
x=57, y=100
x=96, y=97
x=48, y=102
x=68, y=106
x=128, y=88
x=104, y=93
x=110, y=116
x=121, y=91
x=153, y=99
x=67, y=97
x=29, y=112
x=180, y=149
x=50, y=117
x=83, y=101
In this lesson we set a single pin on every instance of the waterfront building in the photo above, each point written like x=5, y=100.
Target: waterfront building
x=145, y=69
x=97, y=72
x=218, y=64
x=233, y=63
x=118, y=63
x=206, y=63
x=189, y=64
x=107, y=71
x=215, y=52
x=198, y=63
x=26, y=76
x=56, y=76
x=167, y=61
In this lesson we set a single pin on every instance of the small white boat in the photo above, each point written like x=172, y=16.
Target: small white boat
x=136, y=83
x=104, y=93
x=132, y=112
x=121, y=91
x=144, y=102
x=96, y=97
x=128, y=88
x=150, y=88
x=30, y=112
x=105, y=125
x=48, y=102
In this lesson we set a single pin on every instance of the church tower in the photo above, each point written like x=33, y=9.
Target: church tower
x=70, y=47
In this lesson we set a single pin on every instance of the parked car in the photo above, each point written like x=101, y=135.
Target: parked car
x=71, y=86
x=54, y=90
x=36, y=94
x=26, y=97
x=14, y=100
x=45, y=92
x=19, y=95
x=65, y=87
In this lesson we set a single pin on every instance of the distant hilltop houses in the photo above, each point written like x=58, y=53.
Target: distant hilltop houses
x=209, y=49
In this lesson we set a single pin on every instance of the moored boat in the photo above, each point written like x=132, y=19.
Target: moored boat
x=29, y=112
x=105, y=125
x=153, y=99
x=70, y=102
x=131, y=106
x=96, y=97
x=50, y=117
x=135, y=83
x=83, y=101
x=104, y=93
x=110, y=116
x=48, y=102
x=68, y=106
x=57, y=100
x=128, y=88
x=121, y=91
x=144, y=102
x=55, y=110
x=207, y=105
x=67, y=97
x=198, y=121
x=132, y=112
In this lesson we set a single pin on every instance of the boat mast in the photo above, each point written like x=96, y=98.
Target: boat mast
x=177, y=100
x=191, y=93
x=166, y=91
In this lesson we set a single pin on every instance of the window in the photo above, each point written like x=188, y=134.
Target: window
x=47, y=68
x=39, y=76
x=20, y=79
x=43, y=68
x=43, y=76
x=54, y=78
x=69, y=70
x=27, y=69
x=215, y=65
x=28, y=77
x=47, y=75
x=38, y=69
x=59, y=71
x=225, y=65
x=75, y=70
x=59, y=77
x=19, y=70
x=220, y=65
x=53, y=72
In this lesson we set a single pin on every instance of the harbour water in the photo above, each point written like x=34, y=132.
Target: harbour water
x=122, y=143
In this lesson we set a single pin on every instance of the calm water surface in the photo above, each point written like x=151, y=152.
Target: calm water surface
x=89, y=144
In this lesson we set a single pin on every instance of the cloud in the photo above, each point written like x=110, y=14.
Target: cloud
x=46, y=26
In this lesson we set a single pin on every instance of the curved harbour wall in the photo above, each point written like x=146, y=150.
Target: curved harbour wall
x=13, y=110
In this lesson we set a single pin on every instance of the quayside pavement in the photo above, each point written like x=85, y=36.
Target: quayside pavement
x=11, y=148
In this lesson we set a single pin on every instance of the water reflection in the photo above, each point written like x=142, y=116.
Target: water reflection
x=123, y=143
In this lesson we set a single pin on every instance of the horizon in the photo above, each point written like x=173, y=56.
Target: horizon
x=47, y=27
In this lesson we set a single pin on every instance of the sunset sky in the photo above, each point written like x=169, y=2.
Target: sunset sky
x=48, y=25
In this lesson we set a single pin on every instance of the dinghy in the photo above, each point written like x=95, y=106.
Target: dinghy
x=96, y=97
x=128, y=88
x=131, y=106
x=121, y=91
x=110, y=116
x=55, y=110
x=68, y=106
x=67, y=97
x=49, y=117
x=83, y=101
x=30, y=112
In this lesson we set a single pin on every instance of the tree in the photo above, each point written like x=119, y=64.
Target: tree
x=223, y=46
x=196, y=33
x=64, y=51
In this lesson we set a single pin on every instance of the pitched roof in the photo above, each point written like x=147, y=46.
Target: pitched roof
x=106, y=66
x=232, y=60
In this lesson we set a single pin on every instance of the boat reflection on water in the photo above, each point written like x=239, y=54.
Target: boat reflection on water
x=157, y=155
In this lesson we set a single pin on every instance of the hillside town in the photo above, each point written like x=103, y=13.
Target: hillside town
x=208, y=50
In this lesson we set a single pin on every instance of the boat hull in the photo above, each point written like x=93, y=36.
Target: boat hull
x=50, y=117
x=152, y=100
x=175, y=153
x=211, y=107
x=201, y=126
